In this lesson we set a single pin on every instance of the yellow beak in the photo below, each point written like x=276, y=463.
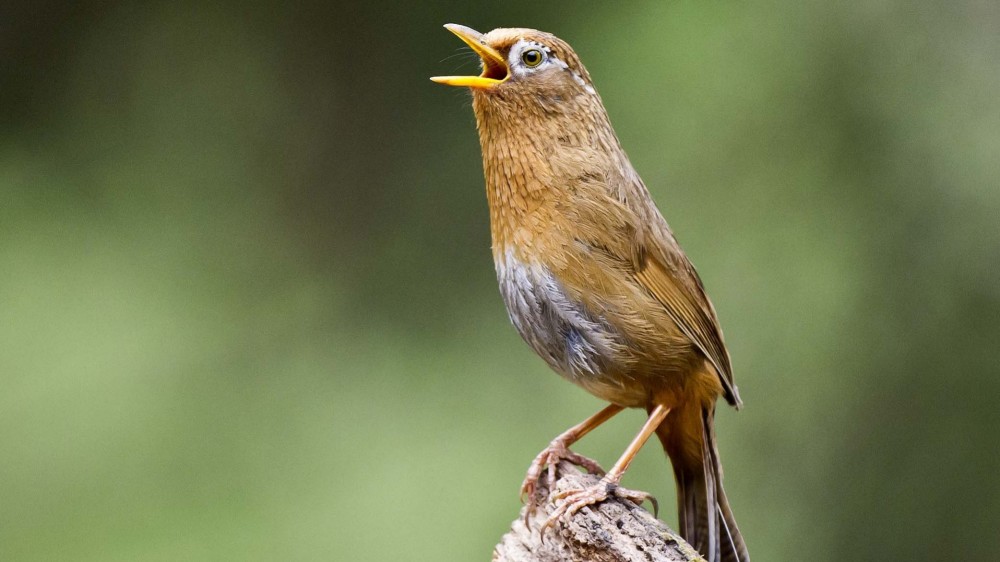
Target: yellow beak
x=495, y=71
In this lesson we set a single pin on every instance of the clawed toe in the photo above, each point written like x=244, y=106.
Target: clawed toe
x=547, y=462
x=638, y=497
x=576, y=499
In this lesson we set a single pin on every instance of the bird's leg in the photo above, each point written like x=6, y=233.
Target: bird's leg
x=574, y=500
x=558, y=450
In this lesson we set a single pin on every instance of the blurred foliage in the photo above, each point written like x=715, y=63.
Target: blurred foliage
x=250, y=314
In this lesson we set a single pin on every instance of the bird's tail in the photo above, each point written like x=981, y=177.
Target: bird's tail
x=706, y=520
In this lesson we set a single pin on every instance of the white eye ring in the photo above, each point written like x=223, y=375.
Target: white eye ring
x=532, y=57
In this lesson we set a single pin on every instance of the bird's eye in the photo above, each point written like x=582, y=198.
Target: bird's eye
x=532, y=57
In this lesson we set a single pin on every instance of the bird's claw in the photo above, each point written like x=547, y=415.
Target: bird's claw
x=576, y=499
x=548, y=461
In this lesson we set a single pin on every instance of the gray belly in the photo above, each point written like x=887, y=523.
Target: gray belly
x=578, y=344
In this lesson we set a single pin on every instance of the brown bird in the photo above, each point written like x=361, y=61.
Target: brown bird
x=594, y=280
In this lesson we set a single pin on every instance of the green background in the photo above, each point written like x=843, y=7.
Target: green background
x=248, y=312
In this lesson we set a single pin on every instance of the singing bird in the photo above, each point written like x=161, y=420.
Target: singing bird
x=594, y=280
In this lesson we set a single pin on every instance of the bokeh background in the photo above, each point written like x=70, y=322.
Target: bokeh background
x=247, y=308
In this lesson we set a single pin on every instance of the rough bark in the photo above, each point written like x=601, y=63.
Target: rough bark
x=614, y=530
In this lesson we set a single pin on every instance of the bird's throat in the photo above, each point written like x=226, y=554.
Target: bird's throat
x=533, y=159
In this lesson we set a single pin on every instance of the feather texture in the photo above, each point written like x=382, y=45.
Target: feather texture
x=590, y=272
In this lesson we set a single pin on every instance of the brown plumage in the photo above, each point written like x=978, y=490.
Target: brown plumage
x=593, y=278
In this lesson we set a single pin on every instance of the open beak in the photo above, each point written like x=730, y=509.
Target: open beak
x=495, y=71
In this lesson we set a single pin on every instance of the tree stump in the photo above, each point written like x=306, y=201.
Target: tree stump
x=614, y=530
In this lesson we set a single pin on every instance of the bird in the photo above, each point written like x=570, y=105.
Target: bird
x=594, y=280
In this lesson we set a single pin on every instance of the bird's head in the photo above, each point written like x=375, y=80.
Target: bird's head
x=523, y=69
x=542, y=127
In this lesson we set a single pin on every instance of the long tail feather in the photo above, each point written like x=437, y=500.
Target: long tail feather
x=706, y=520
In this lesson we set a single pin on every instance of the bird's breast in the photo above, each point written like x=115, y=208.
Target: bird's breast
x=574, y=341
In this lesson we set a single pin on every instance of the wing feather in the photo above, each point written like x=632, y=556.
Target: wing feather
x=641, y=243
x=691, y=310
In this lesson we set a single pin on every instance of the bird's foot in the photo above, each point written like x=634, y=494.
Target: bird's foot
x=576, y=499
x=547, y=461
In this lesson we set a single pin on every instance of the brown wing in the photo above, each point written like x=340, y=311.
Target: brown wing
x=689, y=307
x=609, y=225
